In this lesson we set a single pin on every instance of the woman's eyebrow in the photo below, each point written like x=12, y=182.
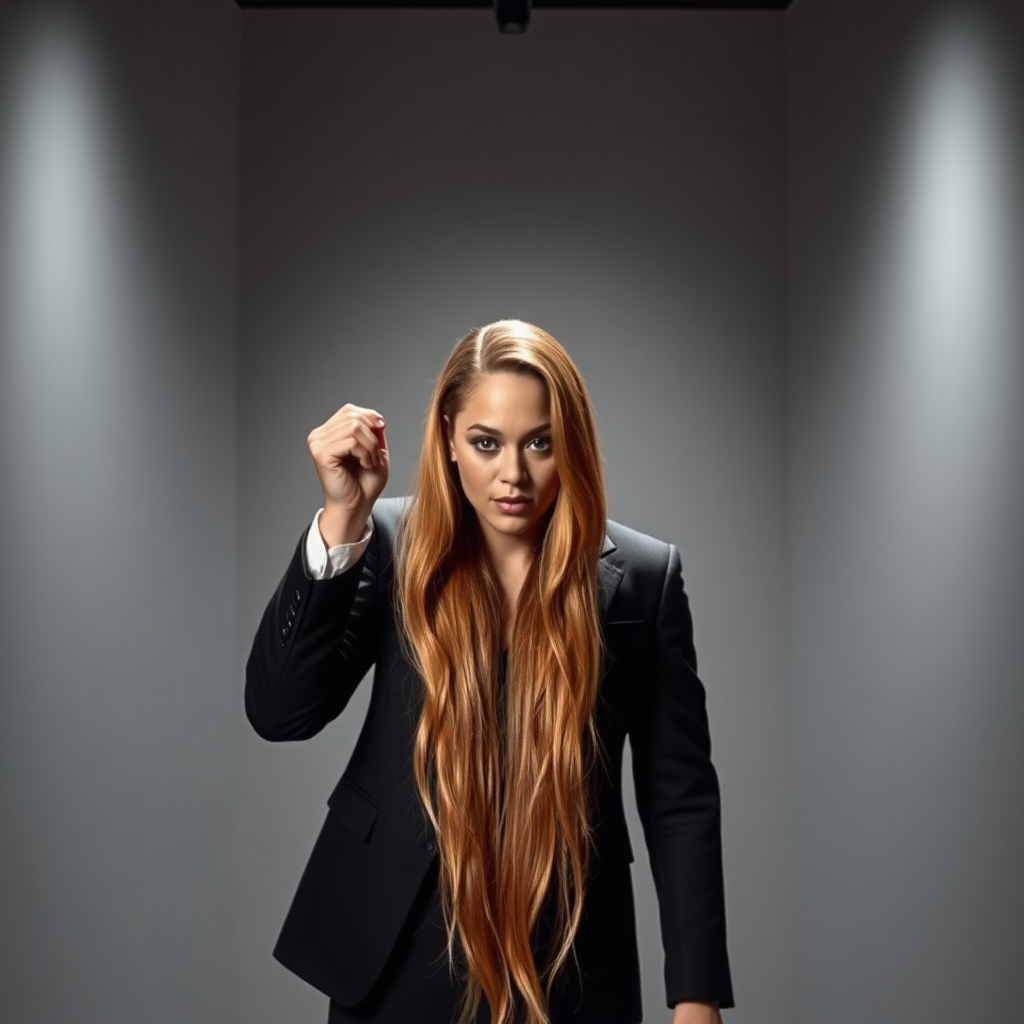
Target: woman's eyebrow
x=497, y=433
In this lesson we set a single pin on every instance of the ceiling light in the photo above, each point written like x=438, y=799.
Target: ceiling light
x=512, y=15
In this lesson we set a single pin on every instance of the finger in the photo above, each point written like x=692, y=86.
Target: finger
x=364, y=448
x=368, y=440
x=371, y=417
x=344, y=421
x=349, y=447
x=351, y=425
x=372, y=414
x=331, y=446
x=373, y=422
x=340, y=441
x=350, y=421
x=382, y=441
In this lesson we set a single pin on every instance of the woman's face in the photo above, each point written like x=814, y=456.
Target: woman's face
x=501, y=442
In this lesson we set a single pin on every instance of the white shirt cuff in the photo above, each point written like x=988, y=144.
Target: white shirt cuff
x=323, y=563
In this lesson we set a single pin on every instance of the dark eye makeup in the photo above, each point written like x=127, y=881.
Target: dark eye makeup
x=479, y=443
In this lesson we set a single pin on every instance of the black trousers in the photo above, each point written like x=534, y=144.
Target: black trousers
x=417, y=985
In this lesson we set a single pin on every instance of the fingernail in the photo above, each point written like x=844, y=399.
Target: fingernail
x=380, y=421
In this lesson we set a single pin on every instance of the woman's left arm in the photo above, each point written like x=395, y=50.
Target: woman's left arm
x=678, y=799
x=696, y=1013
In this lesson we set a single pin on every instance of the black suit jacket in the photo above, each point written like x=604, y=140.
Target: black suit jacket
x=316, y=642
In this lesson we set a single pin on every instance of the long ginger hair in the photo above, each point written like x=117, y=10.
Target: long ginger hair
x=503, y=774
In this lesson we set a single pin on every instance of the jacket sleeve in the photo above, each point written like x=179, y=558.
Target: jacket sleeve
x=678, y=799
x=315, y=642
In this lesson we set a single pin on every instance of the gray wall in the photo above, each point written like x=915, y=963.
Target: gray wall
x=118, y=305
x=617, y=178
x=907, y=495
x=785, y=250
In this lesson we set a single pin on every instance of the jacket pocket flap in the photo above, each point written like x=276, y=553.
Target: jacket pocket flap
x=629, y=630
x=356, y=811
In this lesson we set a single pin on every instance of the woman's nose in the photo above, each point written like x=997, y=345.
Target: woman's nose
x=513, y=466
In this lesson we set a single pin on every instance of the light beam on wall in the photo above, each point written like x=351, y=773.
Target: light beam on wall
x=932, y=370
x=58, y=195
x=73, y=278
x=954, y=197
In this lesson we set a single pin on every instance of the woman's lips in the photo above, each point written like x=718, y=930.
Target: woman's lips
x=512, y=506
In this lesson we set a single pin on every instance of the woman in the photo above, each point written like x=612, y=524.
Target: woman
x=474, y=863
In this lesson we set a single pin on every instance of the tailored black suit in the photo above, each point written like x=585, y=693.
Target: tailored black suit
x=316, y=642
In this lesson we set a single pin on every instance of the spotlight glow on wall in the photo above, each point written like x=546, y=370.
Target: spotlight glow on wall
x=931, y=366
x=76, y=268
x=953, y=196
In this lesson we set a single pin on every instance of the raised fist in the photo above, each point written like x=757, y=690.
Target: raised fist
x=350, y=453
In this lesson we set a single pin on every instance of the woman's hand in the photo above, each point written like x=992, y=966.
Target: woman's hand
x=350, y=453
x=696, y=1013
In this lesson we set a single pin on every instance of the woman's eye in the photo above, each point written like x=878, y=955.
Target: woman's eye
x=488, y=444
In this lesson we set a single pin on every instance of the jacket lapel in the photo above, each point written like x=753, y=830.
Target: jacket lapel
x=609, y=576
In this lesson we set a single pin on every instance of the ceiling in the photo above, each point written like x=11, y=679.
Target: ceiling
x=708, y=5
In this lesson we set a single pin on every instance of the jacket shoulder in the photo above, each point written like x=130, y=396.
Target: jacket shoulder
x=387, y=516
x=640, y=550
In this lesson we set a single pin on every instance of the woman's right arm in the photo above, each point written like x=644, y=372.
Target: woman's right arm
x=315, y=642
x=317, y=637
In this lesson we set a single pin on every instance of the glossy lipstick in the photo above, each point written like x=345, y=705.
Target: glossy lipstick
x=513, y=506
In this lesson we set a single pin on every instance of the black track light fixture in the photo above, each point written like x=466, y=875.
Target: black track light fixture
x=512, y=15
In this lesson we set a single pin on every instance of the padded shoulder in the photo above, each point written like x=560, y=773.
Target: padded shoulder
x=640, y=550
x=387, y=514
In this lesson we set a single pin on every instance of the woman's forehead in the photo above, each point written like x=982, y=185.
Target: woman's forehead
x=508, y=395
